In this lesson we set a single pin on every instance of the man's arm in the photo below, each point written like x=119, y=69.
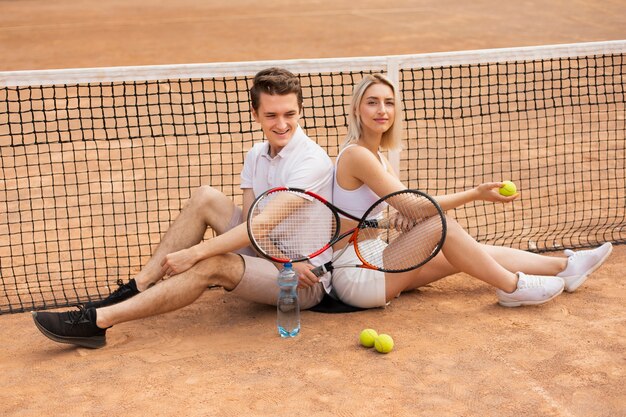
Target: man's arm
x=232, y=240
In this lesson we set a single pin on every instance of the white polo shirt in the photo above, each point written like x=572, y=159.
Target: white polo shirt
x=301, y=164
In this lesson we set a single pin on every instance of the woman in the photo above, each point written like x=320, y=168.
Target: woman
x=362, y=175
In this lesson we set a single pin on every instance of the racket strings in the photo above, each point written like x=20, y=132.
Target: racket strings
x=290, y=225
x=410, y=230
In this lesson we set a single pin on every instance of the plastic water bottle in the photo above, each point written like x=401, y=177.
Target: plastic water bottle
x=288, y=307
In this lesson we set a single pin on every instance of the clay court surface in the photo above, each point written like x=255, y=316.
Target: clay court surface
x=457, y=352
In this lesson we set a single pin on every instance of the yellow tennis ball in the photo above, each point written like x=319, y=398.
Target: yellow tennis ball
x=367, y=337
x=383, y=343
x=508, y=188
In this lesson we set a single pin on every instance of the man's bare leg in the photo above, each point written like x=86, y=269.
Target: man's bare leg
x=207, y=207
x=87, y=326
x=176, y=292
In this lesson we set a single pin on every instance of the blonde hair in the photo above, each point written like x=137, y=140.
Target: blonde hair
x=392, y=138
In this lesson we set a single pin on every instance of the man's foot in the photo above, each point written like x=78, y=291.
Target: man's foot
x=582, y=263
x=123, y=292
x=531, y=290
x=76, y=327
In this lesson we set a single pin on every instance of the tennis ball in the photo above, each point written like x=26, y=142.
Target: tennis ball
x=508, y=188
x=367, y=337
x=383, y=343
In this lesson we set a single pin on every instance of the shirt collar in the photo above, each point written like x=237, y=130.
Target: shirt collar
x=297, y=138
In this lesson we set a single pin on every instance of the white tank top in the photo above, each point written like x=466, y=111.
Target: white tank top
x=355, y=202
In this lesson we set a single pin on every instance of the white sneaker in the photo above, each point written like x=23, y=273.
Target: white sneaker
x=531, y=290
x=582, y=263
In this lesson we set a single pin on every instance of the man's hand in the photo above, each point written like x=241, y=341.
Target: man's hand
x=306, y=278
x=177, y=262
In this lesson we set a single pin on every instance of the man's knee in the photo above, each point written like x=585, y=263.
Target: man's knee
x=206, y=196
x=213, y=206
x=224, y=270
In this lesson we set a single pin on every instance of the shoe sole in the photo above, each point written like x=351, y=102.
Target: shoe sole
x=94, y=342
x=527, y=303
x=581, y=280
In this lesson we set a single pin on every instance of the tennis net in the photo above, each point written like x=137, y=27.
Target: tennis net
x=97, y=162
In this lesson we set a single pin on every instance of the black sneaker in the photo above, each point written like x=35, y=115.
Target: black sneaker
x=76, y=327
x=123, y=292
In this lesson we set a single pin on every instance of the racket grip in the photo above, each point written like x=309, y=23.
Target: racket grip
x=371, y=223
x=322, y=269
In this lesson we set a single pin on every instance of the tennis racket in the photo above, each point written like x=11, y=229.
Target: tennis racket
x=400, y=232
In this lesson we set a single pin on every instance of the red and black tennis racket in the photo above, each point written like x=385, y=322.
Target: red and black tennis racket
x=400, y=232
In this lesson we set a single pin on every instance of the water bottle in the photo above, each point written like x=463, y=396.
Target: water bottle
x=288, y=307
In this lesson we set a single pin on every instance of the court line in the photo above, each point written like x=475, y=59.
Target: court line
x=534, y=385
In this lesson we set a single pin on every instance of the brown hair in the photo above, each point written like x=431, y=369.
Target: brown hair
x=274, y=81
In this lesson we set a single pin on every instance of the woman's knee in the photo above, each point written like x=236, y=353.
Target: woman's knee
x=451, y=222
x=453, y=228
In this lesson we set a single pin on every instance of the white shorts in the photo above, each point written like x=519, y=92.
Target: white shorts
x=359, y=287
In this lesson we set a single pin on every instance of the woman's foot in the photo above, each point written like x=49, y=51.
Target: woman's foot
x=531, y=290
x=582, y=263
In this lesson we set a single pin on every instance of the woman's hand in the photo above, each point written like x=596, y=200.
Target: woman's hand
x=401, y=223
x=177, y=262
x=489, y=192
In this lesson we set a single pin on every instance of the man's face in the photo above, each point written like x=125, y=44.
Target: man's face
x=278, y=116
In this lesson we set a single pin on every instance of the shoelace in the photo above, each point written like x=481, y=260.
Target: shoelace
x=532, y=282
x=120, y=284
x=77, y=316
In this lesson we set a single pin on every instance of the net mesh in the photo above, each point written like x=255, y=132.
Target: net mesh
x=94, y=172
x=555, y=127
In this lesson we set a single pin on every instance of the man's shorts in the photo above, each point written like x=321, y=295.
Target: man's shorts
x=258, y=283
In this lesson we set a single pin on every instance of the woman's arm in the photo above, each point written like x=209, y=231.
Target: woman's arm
x=485, y=192
x=359, y=166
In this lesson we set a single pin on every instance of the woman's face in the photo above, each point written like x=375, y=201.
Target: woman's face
x=377, y=109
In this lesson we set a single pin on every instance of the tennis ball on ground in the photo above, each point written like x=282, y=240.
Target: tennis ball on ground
x=367, y=337
x=383, y=343
x=508, y=188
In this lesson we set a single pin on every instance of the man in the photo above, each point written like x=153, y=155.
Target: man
x=288, y=158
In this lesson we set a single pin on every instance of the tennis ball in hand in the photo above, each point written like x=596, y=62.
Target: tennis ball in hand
x=508, y=188
x=367, y=337
x=383, y=343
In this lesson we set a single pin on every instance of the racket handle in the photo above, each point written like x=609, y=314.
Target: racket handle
x=322, y=269
x=371, y=223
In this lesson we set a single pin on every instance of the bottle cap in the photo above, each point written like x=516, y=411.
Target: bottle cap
x=287, y=265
